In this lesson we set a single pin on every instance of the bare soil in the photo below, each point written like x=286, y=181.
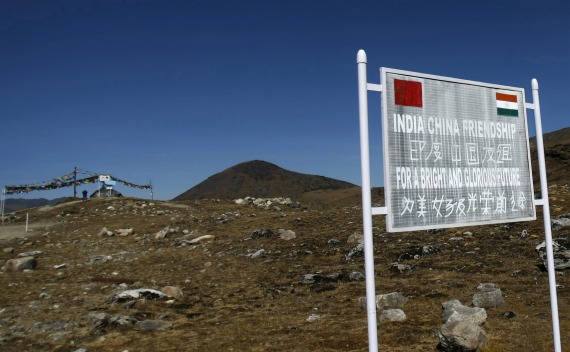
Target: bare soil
x=233, y=302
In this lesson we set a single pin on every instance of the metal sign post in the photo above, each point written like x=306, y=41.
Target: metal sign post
x=367, y=204
x=546, y=215
x=456, y=153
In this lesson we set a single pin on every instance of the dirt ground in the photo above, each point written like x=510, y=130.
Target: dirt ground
x=233, y=301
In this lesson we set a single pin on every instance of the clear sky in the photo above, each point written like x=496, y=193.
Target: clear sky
x=176, y=91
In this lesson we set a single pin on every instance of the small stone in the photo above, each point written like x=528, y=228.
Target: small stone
x=313, y=318
x=261, y=233
x=29, y=254
x=259, y=254
x=509, y=315
x=356, y=276
x=162, y=233
x=125, y=232
x=392, y=315
x=173, y=291
x=141, y=293
x=391, y=300
x=355, y=252
x=203, y=238
x=355, y=238
x=287, y=235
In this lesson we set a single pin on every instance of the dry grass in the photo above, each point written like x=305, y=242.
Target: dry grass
x=234, y=303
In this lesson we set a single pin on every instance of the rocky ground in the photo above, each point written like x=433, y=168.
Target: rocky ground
x=131, y=274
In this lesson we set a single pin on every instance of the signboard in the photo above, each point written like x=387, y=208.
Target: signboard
x=456, y=152
x=104, y=177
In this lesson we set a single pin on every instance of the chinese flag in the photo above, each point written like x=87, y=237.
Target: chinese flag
x=408, y=93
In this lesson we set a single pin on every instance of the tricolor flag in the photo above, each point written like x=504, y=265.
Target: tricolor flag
x=408, y=93
x=507, y=105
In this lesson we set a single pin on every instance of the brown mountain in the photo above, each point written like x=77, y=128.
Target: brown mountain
x=260, y=179
x=557, y=157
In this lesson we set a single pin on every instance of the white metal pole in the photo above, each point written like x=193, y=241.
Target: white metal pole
x=367, y=203
x=546, y=216
x=27, y=219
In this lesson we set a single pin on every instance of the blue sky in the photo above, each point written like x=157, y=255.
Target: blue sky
x=176, y=91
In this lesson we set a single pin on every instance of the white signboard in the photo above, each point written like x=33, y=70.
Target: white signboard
x=104, y=177
x=456, y=152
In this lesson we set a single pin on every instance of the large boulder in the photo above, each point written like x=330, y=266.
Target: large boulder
x=455, y=311
x=462, y=336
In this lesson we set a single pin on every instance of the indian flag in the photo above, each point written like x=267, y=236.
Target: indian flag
x=507, y=105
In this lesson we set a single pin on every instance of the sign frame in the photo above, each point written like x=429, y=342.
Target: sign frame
x=422, y=106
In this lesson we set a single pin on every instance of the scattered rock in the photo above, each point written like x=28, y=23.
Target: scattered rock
x=29, y=254
x=19, y=264
x=125, y=232
x=162, y=233
x=562, y=222
x=461, y=336
x=355, y=252
x=394, y=300
x=315, y=278
x=561, y=248
x=141, y=293
x=286, y=235
x=261, y=233
x=122, y=320
x=419, y=252
x=202, y=238
x=356, y=276
x=398, y=268
x=259, y=254
x=391, y=300
x=313, y=317
x=104, y=232
x=392, y=315
x=488, y=296
x=172, y=291
x=509, y=314
x=98, y=319
x=355, y=238
x=454, y=311
x=8, y=250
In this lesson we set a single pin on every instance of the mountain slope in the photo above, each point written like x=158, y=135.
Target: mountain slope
x=260, y=179
x=557, y=157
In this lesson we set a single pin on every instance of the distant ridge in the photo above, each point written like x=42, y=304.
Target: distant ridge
x=259, y=178
x=18, y=204
x=557, y=157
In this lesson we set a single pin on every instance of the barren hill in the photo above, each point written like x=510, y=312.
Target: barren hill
x=557, y=157
x=260, y=179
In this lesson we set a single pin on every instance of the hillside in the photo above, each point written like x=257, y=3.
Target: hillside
x=259, y=179
x=557, y=157
x=234, y=286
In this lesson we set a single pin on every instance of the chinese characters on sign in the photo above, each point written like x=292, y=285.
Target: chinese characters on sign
x=456, y=152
